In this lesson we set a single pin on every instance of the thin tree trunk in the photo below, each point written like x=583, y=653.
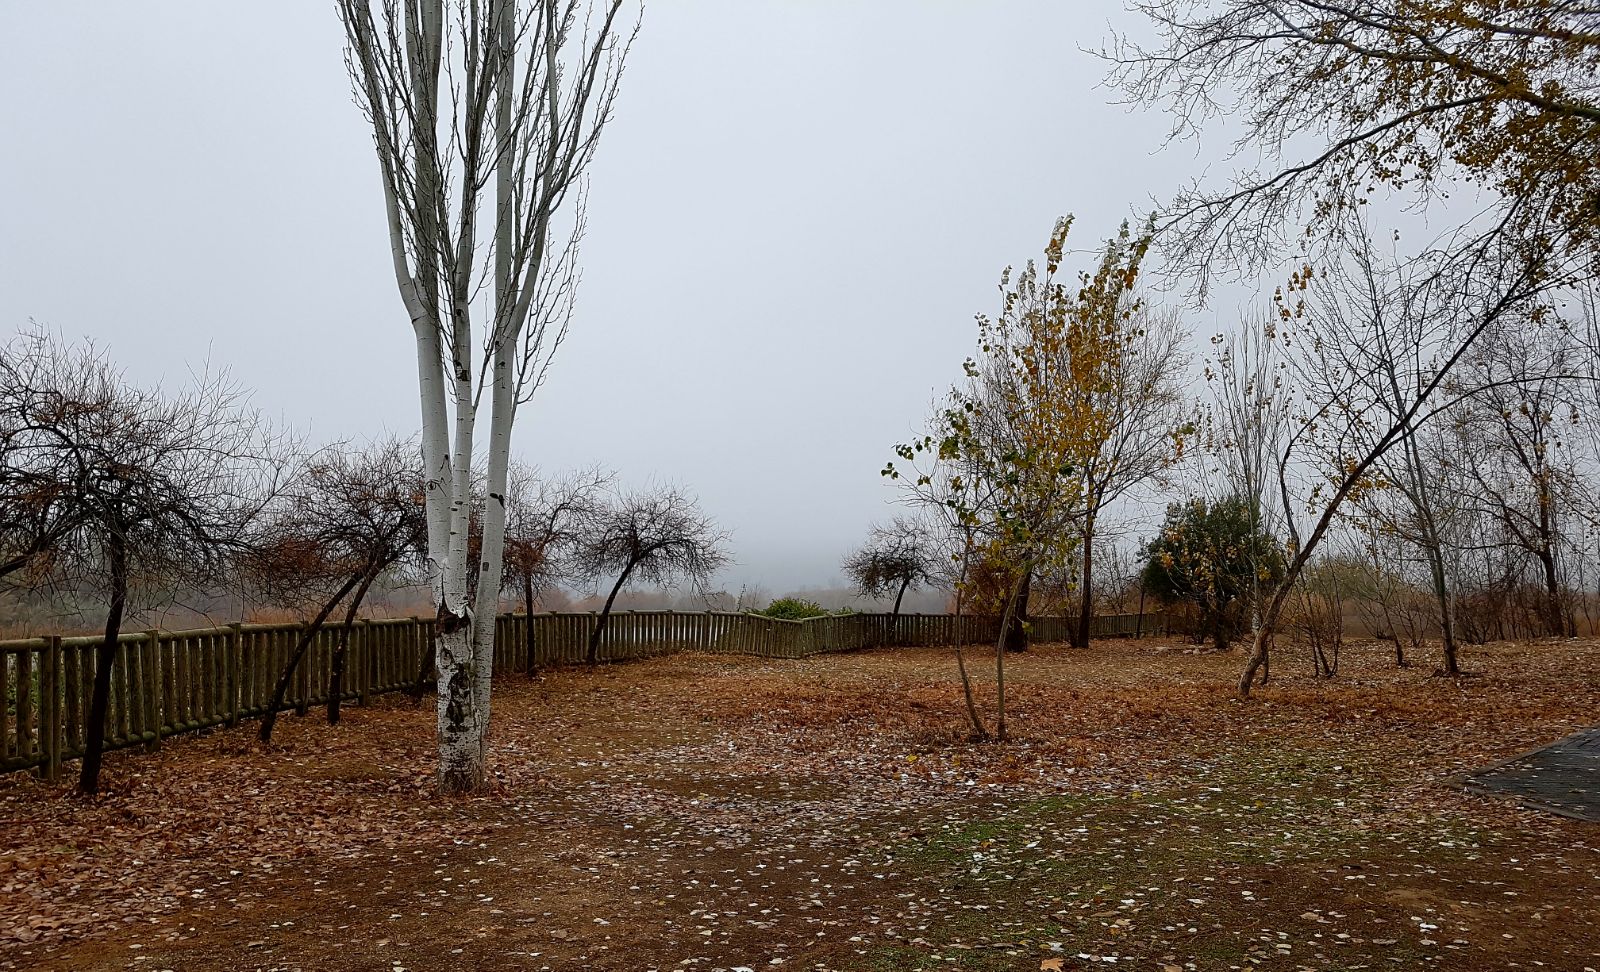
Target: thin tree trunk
x=492, y=553
x=1260, y=646
x=281, y=689
x=1433, y=546
x=1018, y=595
x=105, y=659
x=1447, y=619
x=1555, y=623
x=605, y=615
x=979, y=730
x=336, y=675
x=527, y=634
x=1080, y=635
x=894, y=617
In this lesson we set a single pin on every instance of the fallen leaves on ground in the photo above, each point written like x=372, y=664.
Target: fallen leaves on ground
x=698, y=812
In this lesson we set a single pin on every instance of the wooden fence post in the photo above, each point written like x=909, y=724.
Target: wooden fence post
x=419, y=642
x=302, y=675
x=368, y=652
x=50, y=702
x=154, y=710
x=233, y=663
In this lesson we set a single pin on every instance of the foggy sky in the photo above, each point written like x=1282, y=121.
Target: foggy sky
x=794, y=216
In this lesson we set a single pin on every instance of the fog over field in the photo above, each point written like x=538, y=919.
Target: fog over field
x=795, y=215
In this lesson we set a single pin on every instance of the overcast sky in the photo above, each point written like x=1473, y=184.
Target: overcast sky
x=796, y=212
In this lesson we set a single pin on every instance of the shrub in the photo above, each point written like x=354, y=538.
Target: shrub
x=1212, y=556
x=792, y=609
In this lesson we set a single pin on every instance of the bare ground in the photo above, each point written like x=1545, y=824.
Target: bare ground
x=709, y=813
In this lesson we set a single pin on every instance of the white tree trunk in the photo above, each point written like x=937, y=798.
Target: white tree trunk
x=492, y=560
x=434, y=164
x=505, y=332
x=460, y=721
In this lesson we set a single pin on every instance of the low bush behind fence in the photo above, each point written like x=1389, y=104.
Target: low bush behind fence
x=166, y=683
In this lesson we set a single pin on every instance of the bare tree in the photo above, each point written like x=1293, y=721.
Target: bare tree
x=896, y=558
x=1247, y=423
x=352, y=515
x=41, y=478
x=1447, y=306
x=1521, y=469
x=546, y=520
x=1138, y=394
x=153, y=492
x=1379, y=339
x=657, y=536
x=1413, y=509
x=472, y=105
x=1383, y=596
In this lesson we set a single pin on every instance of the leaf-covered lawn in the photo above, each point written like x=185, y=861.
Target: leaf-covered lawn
x=732, y=813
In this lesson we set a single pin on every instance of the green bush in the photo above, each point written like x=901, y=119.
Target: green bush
x=1215, y=558
x=793, y=609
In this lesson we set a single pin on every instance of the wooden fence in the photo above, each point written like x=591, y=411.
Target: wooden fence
x=165, y=683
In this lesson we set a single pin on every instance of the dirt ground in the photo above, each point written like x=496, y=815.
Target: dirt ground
x=716, y=813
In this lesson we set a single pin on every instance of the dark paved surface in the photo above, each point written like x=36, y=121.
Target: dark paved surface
x=1563, y=777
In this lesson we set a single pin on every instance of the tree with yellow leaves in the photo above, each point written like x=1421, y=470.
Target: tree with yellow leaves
x=1006, y=452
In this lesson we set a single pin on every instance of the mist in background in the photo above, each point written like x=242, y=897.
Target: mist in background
x=794, y=217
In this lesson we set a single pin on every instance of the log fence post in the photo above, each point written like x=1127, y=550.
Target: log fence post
x=360, y=664
x=235, y=665
x=155, y=711
x=302, y=675
x=361, y=636
x=50, y=706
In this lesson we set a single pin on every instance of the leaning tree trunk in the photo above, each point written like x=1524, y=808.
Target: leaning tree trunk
x=336, y=675
x=1261, y=644
x=980, y=732
x=605, y=615
x=1014, y=629
x=105, y=659
x=894, y=616
x=281, y=689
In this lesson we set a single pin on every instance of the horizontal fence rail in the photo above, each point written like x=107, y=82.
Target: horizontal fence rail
x=166, y=683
